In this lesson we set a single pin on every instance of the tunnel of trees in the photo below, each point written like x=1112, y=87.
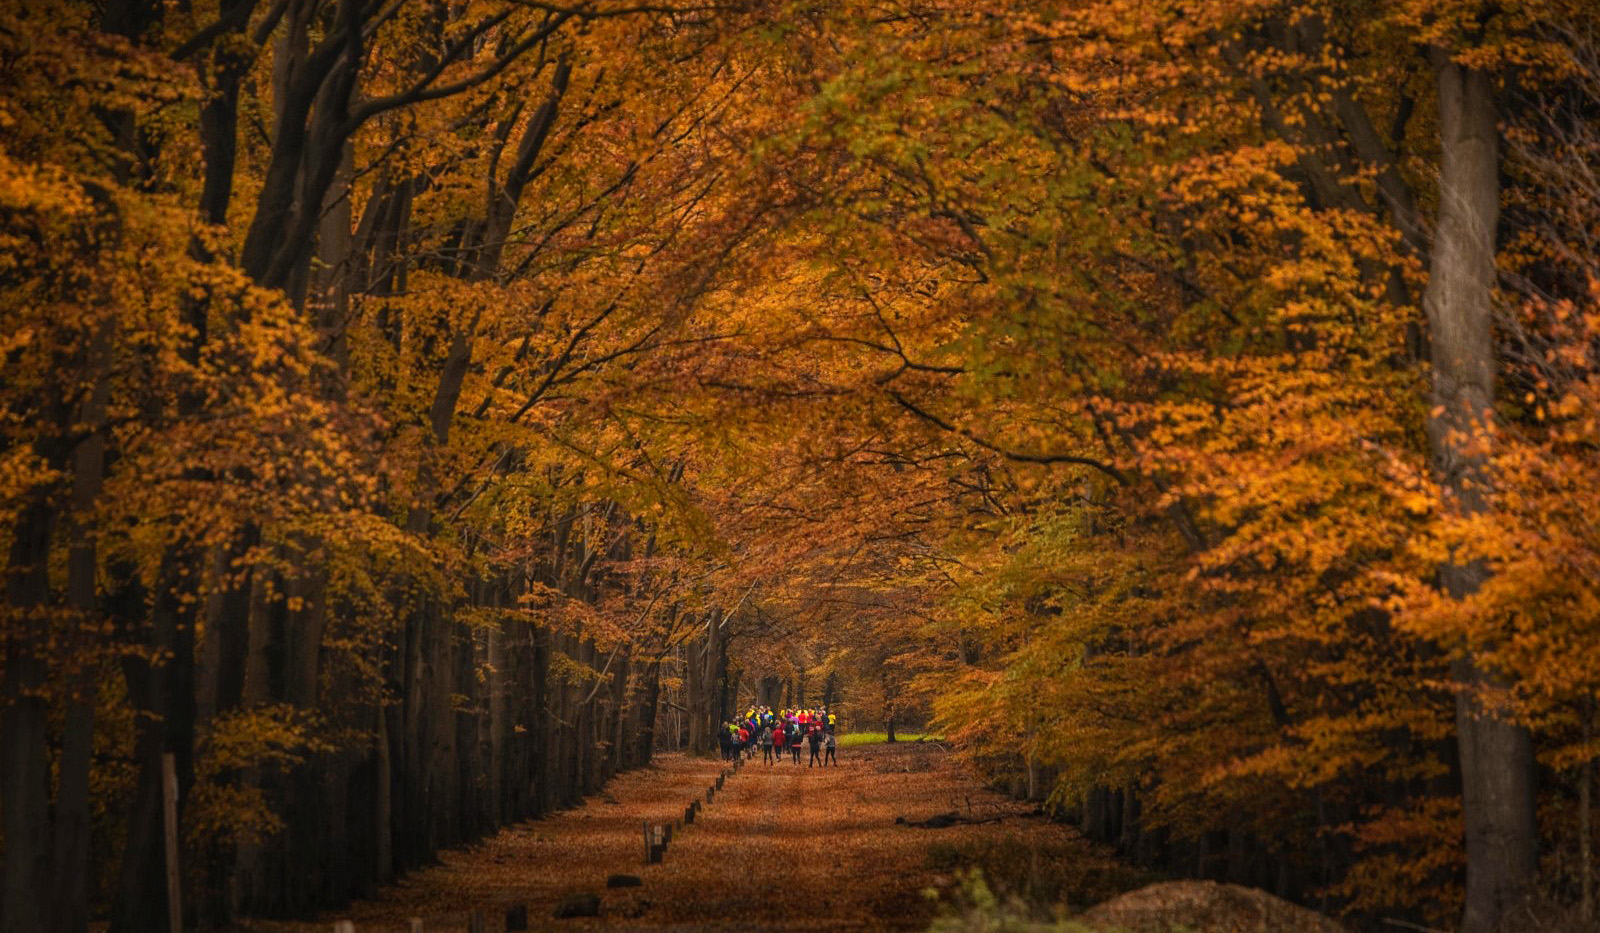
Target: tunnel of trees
x=415, y=413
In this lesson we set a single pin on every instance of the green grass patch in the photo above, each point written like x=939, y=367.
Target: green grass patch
x=874, y=738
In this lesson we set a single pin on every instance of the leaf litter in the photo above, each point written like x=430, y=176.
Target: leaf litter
x=781, y=847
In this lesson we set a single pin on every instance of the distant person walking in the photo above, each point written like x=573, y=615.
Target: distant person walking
x=815, y=741
x=766, y=745
x=830, y=758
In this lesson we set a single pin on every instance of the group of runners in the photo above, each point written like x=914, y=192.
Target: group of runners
x=776, y=731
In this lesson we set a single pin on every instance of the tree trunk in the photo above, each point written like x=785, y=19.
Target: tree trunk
x=383, y=781
x=69, y=909
x=498, y=808
x=24, y=757
x=1496, y=754
x=648, y=713
x=771, y=691
x=1586, y=819
x=701, y=685
x=163, y=691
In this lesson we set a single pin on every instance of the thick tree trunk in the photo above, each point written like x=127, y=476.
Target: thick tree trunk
x=383, y=781
x=69, y=909
x=1497, y=771
x=649, y=712
x=498, y=806
x=163, y=691
x=727, y=688
x=543, y=727
x=24, y=758
x=623, y=719
x=698, y=687
x=584, y=781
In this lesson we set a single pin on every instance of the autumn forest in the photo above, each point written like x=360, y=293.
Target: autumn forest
x=415, y=414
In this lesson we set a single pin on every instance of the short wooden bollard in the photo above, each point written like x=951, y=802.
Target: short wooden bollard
x=710, y=793
x=414, y=925
x=688, y=813
x=476, y=923
x=720, y=779
x=517, y=918
x=344, y=926
x=655, y=843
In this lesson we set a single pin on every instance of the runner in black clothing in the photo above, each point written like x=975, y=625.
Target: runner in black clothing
x=815, y=741
x=830, y=757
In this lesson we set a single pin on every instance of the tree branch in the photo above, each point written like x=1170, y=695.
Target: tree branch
x=1013, y=455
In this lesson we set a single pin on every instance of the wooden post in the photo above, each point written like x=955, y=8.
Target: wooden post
x=169, y=818
x=688, y=814
x=517, y=918
x=415, y=925
x=344, y=926
x=645, y=825
x=475, y=923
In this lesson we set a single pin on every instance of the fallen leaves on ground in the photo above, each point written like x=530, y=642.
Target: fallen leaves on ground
x=782, y=847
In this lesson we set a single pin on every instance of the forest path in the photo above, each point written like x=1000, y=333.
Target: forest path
x=782, y=847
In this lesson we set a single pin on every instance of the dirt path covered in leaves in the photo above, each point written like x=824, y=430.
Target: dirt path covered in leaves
x=784, y=847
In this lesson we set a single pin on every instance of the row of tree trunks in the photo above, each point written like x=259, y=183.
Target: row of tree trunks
x=706, y=673
x=1113, y=816
x=477, y=725
x=471, y=725
x=483, y=734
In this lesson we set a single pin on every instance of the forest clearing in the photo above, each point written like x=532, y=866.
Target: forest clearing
x=422, y=418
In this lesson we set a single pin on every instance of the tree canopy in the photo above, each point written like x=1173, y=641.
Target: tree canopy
x=416, y=413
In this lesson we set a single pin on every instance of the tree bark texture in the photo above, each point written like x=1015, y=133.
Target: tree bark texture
x=1497, y=768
